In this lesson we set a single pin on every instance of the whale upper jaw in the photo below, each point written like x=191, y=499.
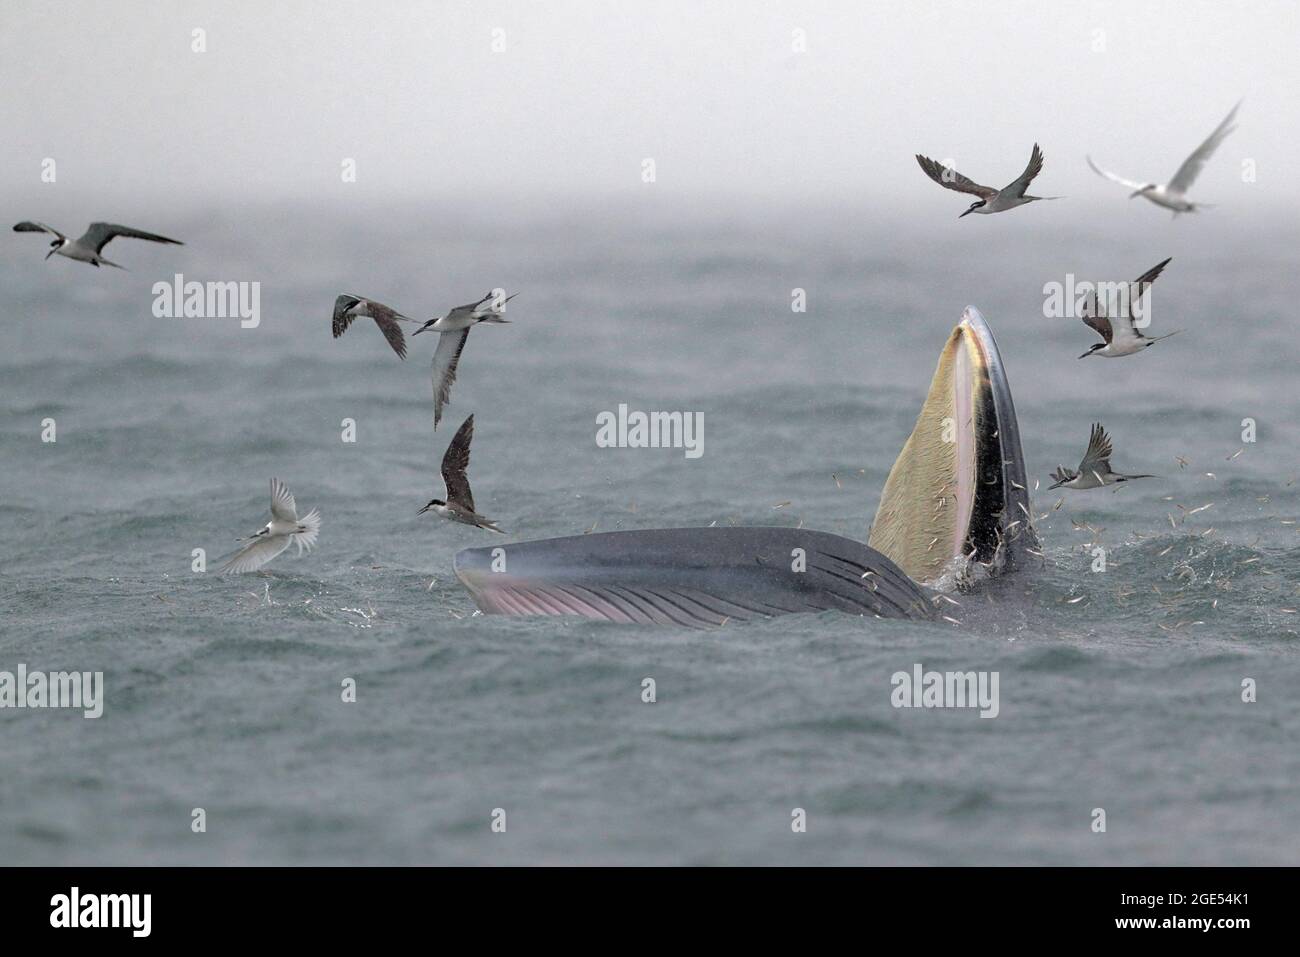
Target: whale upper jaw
x=955, y=500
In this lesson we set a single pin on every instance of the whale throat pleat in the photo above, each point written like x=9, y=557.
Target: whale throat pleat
x=929, y=496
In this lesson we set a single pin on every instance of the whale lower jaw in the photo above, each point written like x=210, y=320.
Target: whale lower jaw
x=955, y=499
x=690, y=576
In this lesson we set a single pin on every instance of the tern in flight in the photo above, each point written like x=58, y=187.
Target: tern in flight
x=284, y=529
x=990, y=200
x=1173, y=195
x=1122, y=337
x=87, y=249
x=1094, y=470
x=459, y=506
x=347, y=308
x=453, y=329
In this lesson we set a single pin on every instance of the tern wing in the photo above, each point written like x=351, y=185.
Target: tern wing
x=1131, y=184
x=388, y=325
x=445, y=357
x=307, y=540
x=342, y=316
x=1097, y=457
x=256, y=553
x=469, y=310
x=282, y=504
x=1021, y=183
x=100, y=234
x=1062, y=475
x=1193, y=165
x=1143, y=281
x=386, y=319
x=1140, y=285
x=1122, y=327
x=1094, y=316
x=951, y=179
x=455, y=463
x=27, y=226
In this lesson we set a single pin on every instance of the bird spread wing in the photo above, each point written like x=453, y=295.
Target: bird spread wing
x=282, y=504
x=256, y=553
x=445, y=357
x=1094, y=316
x=951, y=179
x=1131, y=184
x=1138, y=288
x=27, y=226
x=470, y=309
x=388, y=325
x=1021, y=183
x=455, y=463
x=342, y=315
x=1141, y=283
x=1193, y=165
x=385, y=318
x=307, y=540
x=1097, y=457
x=1063, y=475
x=1094, y=313
x=99, y=234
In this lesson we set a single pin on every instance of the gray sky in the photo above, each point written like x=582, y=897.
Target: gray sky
x=583, y=92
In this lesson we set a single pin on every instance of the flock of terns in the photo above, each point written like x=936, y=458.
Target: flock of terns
x=285, y=528
x=1120, y=336
x=1119, y=333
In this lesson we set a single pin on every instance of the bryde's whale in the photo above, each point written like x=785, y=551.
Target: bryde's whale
x=954, y=503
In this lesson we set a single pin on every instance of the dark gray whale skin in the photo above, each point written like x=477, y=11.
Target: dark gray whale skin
x=698, y=577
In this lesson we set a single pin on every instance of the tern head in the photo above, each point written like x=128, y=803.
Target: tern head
x=1139, y=192
x=54, y=247
x=432, y=503
x=1093, y=348
x=973, y=206
x=1061, y=476
x=426, y=325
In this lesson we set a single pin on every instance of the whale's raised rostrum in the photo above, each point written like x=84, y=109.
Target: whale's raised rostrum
x=955, y=500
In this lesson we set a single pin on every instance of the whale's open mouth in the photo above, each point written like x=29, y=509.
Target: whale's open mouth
x=957, y=491
x=955, y=499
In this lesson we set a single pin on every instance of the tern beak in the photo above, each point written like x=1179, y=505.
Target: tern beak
x=1137, y=192
x=967, y=211
x=51, y=252
x=423, y=510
